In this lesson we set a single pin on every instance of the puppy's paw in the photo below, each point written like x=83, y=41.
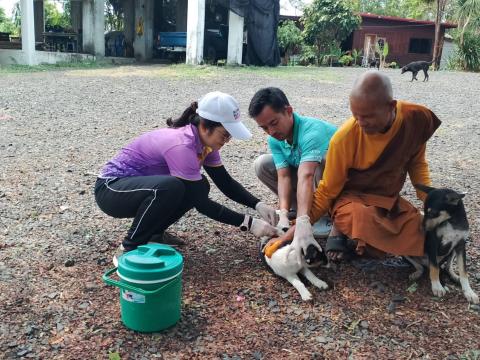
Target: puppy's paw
x=416, y=275
x=322, y=285
x=471, y=296
x=306, y=296
x=438, y=290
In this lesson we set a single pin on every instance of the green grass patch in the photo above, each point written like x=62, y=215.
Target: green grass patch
x=179, y=71
x=290, y=72
x=18, y=69
x=282, y=72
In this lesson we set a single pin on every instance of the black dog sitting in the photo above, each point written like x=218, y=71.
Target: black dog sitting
x=446, y=230
x=415, y=67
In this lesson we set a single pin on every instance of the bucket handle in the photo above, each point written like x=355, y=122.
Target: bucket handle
x=122, y=285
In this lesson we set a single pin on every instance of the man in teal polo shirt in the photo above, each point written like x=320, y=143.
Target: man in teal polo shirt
x=298, y=145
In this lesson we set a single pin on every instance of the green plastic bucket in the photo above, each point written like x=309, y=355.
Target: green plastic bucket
x=150, y=287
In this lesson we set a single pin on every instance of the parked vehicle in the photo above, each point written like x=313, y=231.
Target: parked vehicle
x=173, y=45
x=115, y=43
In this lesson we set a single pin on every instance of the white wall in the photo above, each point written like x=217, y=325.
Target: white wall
x=11, y=57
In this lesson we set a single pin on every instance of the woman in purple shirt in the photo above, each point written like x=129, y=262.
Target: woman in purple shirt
x=157, y=178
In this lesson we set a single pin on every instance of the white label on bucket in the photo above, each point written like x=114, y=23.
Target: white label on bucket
x=133, y=297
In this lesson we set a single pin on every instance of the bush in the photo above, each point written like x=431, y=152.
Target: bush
x=356, y=54
x=346, y=60
x=392, y=65
x=327, y=23
x=469, y=51
x=308, y=55
x=467, y=54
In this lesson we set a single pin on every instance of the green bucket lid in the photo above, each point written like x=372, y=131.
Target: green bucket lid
x=150, y=263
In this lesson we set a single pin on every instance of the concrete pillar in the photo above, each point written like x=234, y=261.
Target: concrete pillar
x=93, y=20
x=143, y=43
x=76, y=19
x=39, y=16
x=28, y=31
x=99, y=26
x=181, y=15
x=195, y=31
x=235, y=39
x=128, y=26
x=87, y=27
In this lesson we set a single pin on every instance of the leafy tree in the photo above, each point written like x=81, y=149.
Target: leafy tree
x=114, y=15
x=6, y=24
x=467, y=13
x=54, y=18
x=289, y=38
x=415, y=9
x=327, y=23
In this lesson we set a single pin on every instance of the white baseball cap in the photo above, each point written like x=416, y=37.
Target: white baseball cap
x=223, y=108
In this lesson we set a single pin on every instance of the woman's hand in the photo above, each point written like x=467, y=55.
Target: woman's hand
x=261, y=228
x=267, y=213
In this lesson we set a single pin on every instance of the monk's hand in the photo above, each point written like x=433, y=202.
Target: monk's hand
x=267, y=213
x=303, y=237
x=271, y=246
x=283, y=222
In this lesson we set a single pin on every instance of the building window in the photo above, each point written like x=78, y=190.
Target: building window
x=420, y=46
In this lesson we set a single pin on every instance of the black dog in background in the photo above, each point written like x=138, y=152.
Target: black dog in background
x=415, y=67
x=446, y=232
x=375, y=63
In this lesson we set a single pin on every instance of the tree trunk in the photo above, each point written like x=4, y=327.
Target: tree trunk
x=464, y=27
x=437, y=46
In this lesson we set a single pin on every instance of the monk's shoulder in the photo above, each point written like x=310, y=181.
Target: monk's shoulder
x=419, y=119
x=416, y=112
x=345, y=133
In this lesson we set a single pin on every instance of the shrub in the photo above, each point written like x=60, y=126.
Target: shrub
x=392, y=65
x=467, y=54
x=346, y=60
x=308, y=55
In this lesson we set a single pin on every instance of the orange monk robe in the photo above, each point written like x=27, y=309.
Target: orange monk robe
x=365, y=216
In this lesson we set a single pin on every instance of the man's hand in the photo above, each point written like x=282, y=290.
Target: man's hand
x=267, y=213
x=303, y=237
x=283, y=222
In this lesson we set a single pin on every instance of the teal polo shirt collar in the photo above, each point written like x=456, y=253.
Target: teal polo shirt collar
x=295, y=134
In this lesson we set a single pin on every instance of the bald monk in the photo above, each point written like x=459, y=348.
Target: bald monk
x=367, y=163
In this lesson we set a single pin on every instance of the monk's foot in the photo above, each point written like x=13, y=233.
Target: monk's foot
x=339, y=256
x=339, y=248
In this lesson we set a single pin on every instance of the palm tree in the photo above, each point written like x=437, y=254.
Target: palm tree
x=467, y=11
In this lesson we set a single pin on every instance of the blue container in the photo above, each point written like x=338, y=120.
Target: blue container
x=173, y=39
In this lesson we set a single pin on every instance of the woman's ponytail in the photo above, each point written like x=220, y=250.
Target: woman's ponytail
x=189, y=116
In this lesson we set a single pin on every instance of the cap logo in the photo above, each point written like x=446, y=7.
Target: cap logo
x=236, y=114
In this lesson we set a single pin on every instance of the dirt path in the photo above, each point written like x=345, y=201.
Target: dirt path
x=58, y=128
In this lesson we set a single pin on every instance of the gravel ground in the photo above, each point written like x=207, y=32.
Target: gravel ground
x=59, y=127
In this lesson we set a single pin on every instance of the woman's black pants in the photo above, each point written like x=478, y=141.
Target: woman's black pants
x=154, y=203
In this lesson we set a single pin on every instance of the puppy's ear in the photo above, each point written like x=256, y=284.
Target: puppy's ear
x=454, y=198
x=426, y=189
